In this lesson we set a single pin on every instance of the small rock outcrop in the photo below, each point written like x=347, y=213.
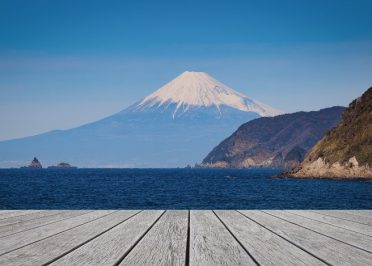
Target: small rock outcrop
x=345, y=151
x=35, y=164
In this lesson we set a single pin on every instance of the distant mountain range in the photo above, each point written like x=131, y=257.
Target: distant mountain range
x=281, y=141
x=345, y=151
x=174, y=126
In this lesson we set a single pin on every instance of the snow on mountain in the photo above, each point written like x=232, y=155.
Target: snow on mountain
x=198, y=89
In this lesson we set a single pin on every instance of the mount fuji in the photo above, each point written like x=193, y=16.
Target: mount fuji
x=174, y=126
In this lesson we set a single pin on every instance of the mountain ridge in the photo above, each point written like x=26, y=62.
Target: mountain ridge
x=280, y=141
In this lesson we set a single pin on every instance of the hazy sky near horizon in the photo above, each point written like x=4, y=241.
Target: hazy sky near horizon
x=66, y=63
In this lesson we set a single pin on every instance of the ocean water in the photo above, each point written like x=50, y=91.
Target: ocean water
x=175, y=189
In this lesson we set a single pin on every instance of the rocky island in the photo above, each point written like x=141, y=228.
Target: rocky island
x=345, y=151
x=35, y=164
x=62, y=166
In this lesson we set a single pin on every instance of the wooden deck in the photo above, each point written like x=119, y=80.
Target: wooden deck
x=155, y=237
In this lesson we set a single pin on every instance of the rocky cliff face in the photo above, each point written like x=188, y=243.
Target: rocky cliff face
x=281, y=141
x=345, y=151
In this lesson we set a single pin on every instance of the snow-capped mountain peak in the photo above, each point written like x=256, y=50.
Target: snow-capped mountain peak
x=198, y=89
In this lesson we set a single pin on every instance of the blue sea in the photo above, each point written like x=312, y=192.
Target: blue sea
x=175, y=189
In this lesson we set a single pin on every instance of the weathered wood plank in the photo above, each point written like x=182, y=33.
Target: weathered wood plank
x=347, y=216
x=14, y=213
x=212, y=244
x=328, y=249
x=164, y=244
x=3, y=213
x=364, y=213
x=356, y=239
x=27, y=225
x=349, y=225
x=47, y=250
x=339, y=237
x=28, y=217
x=12, y=242
x=266, y=247
x=109, y=248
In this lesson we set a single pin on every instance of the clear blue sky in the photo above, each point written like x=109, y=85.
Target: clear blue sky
x=64, y=63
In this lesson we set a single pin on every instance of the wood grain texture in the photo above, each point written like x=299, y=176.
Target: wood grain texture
x=13, y=213
x=347, y=216
x=164, y=244
x=363, y=213
x=28, y=217
x=330, y=250
x=356, y=239
x=4, y=212
x=349, y=225
x=266, y=247
x=21, y=239
x=109, y=248
x=154, y=237
x=212, y=244
x=24, y=225
x=49, y=249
